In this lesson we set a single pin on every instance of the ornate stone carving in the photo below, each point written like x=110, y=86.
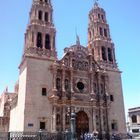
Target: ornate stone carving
x=39, y=52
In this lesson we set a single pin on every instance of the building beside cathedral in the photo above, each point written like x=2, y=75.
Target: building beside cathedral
x=86, y=80
x=134, y=121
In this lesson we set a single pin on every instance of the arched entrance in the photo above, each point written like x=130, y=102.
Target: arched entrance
x=82, y=123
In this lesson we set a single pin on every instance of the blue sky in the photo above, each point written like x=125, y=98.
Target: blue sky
x=71, y=15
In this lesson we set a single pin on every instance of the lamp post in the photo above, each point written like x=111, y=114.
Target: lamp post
x=71, y=112
x=72, y=125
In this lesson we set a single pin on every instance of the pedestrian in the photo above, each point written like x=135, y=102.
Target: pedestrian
x=85, y=136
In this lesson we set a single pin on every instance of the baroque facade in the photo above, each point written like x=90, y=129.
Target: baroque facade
x=86, y=80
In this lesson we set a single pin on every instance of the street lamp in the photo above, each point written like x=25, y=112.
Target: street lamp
x=71, y=112
x=72, y=125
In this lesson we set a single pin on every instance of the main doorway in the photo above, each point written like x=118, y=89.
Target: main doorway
x=82, y=123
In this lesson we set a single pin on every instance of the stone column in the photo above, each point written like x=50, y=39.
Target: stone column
x=43, y=40
x=94, y=120
x=51, y=42
x=54, y=119
x=106, y=53
x=100, y=53
x=92, y=90
x=91, y=74
x=71, y=81
x=113, y=54
x=64, y=114
x=54, y=81
x=138, y=118
x=35, y=39
x=63, y=80
x=102, y=121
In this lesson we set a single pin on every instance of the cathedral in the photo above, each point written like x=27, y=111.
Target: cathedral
x=86, y=81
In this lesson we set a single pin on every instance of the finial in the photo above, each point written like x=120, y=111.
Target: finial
x=77, y=38
x=96, y=3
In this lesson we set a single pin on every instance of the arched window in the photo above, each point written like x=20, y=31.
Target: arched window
x=73, y=63
x=101, y=31
x=105, y=32
x=134, y=119
x=102, y=16
x=110, y=54
x=95, y=87
x=102, y=88
x=99, y=16
x=86, y=65
x=58, y=84
x=58, y=119
x=46, y=1
x=104, y=53
x=47, y=41
x=32, y=36
x=39, y=40
x=46, y=17
x=40, y=15
x=66, y=84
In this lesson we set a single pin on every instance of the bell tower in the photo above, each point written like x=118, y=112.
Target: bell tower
x=99, y=40
x=40, y=33
x=35, y=76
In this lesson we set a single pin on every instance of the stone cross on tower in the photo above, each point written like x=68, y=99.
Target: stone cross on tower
x=96, y=2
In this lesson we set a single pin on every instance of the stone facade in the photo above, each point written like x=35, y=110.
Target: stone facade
x=86, y=80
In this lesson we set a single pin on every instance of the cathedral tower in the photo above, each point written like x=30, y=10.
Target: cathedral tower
x=31, y=104
x=99, y=40
x=40, y=33
x=102, y=48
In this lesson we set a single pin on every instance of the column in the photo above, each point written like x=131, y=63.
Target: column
x=138, y=119
x=54, y=119
x=106, y=86
x=64, y=114
x=106, y=52
x=92, y=91
x=51, y=42
x=100, y=53
x=94, y=120
x=102, y=121
x=63, y=80
x=113, y=55
x=91, y=74
x=35, y=39
x=43, y=40
x=54, y=81
x=71, y=81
